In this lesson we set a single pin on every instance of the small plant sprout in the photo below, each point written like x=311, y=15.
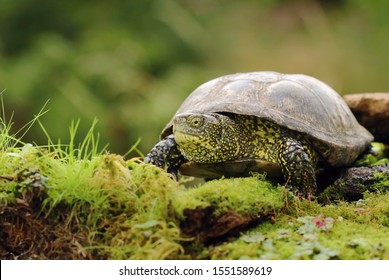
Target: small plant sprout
x=323, y=223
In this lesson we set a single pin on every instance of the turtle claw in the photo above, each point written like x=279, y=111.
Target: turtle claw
x=166, y=155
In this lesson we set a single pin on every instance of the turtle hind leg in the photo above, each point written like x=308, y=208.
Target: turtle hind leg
x=298, y=166
x=166, y=155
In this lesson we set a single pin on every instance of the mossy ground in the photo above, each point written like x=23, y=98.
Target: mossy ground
x=59, y=202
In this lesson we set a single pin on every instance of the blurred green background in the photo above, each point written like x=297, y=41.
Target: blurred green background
x=130, y=63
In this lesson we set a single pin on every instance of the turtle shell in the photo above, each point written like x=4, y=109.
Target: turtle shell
x=298, y=102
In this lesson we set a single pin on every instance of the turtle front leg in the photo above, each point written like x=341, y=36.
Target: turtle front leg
x=166, y=155
x=298, y=166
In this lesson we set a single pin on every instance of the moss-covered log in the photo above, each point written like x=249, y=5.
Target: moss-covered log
x=55, y=205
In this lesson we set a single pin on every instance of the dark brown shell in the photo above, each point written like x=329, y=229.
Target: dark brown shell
x=298, y=102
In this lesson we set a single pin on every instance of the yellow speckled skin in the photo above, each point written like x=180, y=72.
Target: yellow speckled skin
x=215, y=138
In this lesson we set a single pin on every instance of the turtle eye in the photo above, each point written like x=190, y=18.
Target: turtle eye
x=196, y=122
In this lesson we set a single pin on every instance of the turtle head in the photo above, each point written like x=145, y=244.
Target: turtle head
x=207, y=138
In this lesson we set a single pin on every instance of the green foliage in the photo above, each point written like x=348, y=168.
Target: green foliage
x=77, y=201
x=130, y=210
x=243, y=195
x=377, y=155
x=338, y=232
x=115, y=209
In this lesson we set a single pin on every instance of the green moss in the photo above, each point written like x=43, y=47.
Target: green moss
x=291, y=239
x=307, y=230
x=243, y=195
x=104, y=207
x=381, y=181
x=118, y=209
x=59, y=202
x=94, y=204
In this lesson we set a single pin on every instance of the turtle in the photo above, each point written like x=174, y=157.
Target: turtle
x=278, y=124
